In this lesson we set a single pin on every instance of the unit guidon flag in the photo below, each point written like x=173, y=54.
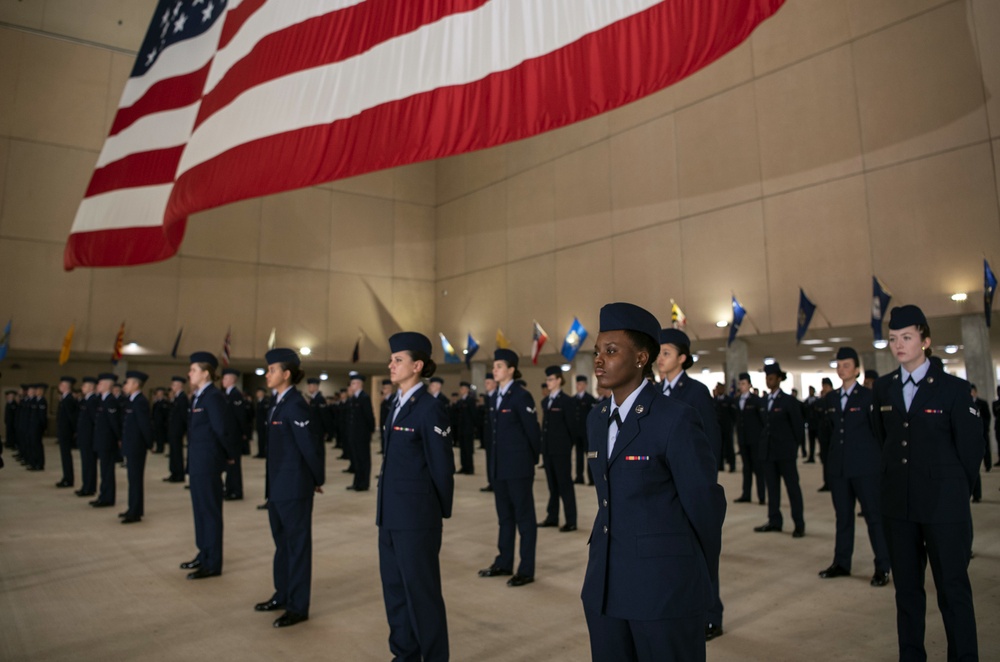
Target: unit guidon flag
x=232, y=99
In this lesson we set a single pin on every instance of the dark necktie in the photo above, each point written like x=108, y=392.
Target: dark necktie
x=666, y=390
x=615, y=418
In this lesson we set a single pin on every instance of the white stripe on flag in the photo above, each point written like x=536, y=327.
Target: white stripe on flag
x=481, y=42
x=141, y=206
x=169, y=128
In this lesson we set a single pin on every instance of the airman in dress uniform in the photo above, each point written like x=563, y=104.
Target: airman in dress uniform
x=67, y=417
x=107, y=433
x=239, y=429
x=177, y=428
x=658, y=532
x=87, y=411
x=559, y=425
x=361, y=427
x=932, y=445
x=415, y=493
x=749, y=426
x=584, y=403
x=781, y=438
x=137, y=438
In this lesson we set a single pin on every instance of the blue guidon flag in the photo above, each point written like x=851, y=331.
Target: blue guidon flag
x=880, y=306
x=989, y=288
x=574, y=339
x=234, y=99
x=739, y=312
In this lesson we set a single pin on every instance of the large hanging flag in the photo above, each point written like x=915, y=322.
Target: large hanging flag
x=5, y=339
x=116, y=352
x=538, y=338
x=677, y=317
x=230, y=100
x=67, y=344
x=880, y=306
x=227, y=348
x=449, y=352
x=806, y=310
x=739, y=312
x=471, y=347
x=177, y=343
x=573, y=340
x=502, y=342
x=989, y=288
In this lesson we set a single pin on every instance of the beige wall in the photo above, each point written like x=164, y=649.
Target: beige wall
x=845, y=137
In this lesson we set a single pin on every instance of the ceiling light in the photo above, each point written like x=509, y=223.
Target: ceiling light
x=722, y=324
x=768, y=360
x=839, y=339
x=814, y=341
x=305, y=351
x=807, y=357
x=880, y=344
x=565, y=367
x=133, y=345
x=951, y=349
x=259, y=372
x=695, y=358
x=959, y=297
x=324, y=376
x=822, y=349
x=705, y=371
x=833, y=364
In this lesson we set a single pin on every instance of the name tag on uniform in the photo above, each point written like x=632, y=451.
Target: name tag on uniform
x=636, y=458
x=591, y=455
x=396, y=428
x=936, y=411
x=885, y=408
x=973, y=410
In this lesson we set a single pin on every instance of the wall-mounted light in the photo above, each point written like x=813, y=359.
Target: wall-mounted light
x=768, y=360
x=880, y=344
x=722, y=324
x=951, y=349
x=323, y=376
x=833, y=364
x=959, y=297
x=565, y=367
x=259, y=372
x=305, y=351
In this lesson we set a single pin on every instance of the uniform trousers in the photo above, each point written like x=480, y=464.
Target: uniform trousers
x=107, y=458
x=515, y=504
x=135, y=469
x=88, y=468
x=176, y=456
x=361, y=458
x=291, y=528
x=411, y=587
x=234, y=478
x=560, y=480
x=620, y=640
x=206, y=501
x=947, y=547
x=66, y=455
x=752, y=467
x=777, y=471
x=844, y=492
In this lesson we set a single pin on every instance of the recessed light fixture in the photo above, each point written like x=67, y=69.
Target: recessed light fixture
x=305, y=351
x=814, y=341
x=465, y=351
x=959, y=297
x=807, y=357
x=880, y=344
x=951, y=349
x=839, y=339
x=695, y=358
x=768, y=360
x=833, y=364
x=565, y=367
x=722, y=324
x=705, y=371
x=703, y=352
x=133, y=345
x=822, y=349
x=324, y=376
x=259, y=372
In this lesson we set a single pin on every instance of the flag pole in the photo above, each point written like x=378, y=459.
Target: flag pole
x=819, y=311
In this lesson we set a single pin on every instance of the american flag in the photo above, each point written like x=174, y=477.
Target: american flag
x=538, y=338
x=227, y=347
x=232, y=99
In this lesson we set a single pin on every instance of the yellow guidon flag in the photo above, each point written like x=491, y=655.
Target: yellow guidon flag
x=502, y=342
x=67, y=344
x=677, y=317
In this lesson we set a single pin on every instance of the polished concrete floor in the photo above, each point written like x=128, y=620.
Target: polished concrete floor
x=76, y=585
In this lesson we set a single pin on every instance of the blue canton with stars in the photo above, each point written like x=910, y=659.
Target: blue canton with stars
x=173, y=21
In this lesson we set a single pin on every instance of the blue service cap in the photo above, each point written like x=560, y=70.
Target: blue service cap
x=68, y=379
x=848, y=353
x=178, y=378
x=582, y=378
x=904, y=316
x=282, y=355
x=774, y=369
x=465, y=384
x=41, y=385
x=553, y=371
x=107, y=375
x=136, y=374
x=89, y=380
x=489, y=375
x=386, y=382
x=205, y=357
x=358, y=376
x=437, y=380
x=744, y=375
x=674, y=337
x=506, y=355
x=313, y=380
x=623, y=316
x=409, y=341
x=826, y=381
x=871, y=374
x=231, y=371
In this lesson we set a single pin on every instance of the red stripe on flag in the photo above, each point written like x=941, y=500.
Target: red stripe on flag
x=236, y=18
x=176, y=92
x=142, y=169
x=536, y=96
x=122, y=247
x=333, y=38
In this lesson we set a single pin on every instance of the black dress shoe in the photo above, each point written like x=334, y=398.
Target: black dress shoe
x=567, y=528
x=762, y=503
x=64, y=483
x=488, y=488
x=880, y=578
x=519, y=580
x=101, y=504
x=578, y=481
x=193, y=564
x=131, y=519
x=809, y=462
x=262, y=506
x=173, y=479
x=824, y=488
x=201, y=573
x=742, y=500
x=799, y=532
x=289, y=618
x=270, y=605
x=767, y=528
x=712, y=631
x=494, y=571
x=81, y=493
x=234, y=497
x=124, y=514
x=834, y=571
x=360, y=489
x=545, y=523
x=347, y=471
x=187, y=487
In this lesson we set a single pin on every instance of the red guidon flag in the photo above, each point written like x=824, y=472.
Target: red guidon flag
x=232, y=99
